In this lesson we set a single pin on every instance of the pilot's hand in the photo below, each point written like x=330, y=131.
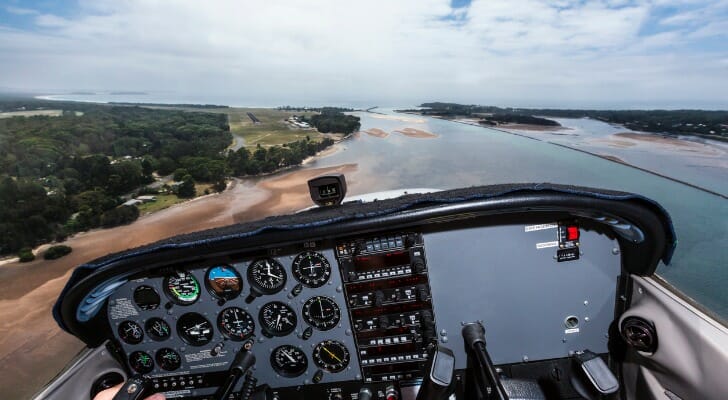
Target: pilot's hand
x=109, y=394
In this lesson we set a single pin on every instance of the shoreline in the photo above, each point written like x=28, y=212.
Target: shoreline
x=607, y=157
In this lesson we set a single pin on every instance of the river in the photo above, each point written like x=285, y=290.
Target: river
x=464, y=155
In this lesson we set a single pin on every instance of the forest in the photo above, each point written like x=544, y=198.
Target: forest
x=333, y=120
x=711, y=124
x=70, y=173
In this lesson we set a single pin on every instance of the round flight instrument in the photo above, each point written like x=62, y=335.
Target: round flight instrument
x=236, y=323
x=168, y=359
x=194, y=329
x=223, y=282
x=288, y=361
x=331, y=356
x=157, y=329
x=146, y=298
x=182, y=288
x=321, y=312
x=267, y=276
x=311, y=269
x=141, y=362
x=277, y=318
x=130, y=332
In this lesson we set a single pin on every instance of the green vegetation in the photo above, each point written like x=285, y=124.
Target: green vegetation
x=57, y=251
x=163, y=201
x=72, y=172
x=266, y=160
x=64, y=174
x=26, y=255
x=331, y=120
x=711, y=124
x=119, y=216
x=496, y=119
x=271, y=131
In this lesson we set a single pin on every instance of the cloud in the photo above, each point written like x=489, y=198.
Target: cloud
x=518, y=52
x=20, y=10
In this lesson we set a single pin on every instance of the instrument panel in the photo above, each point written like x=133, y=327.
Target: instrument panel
x=365, y=308
x=183, y=326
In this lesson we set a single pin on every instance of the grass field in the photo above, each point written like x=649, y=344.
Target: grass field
x=163, y=201
x=168, y=200
x=273, y=130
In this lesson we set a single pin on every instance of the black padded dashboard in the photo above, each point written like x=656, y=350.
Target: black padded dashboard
x=403, y=273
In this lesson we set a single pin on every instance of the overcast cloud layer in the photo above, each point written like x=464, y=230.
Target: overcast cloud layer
x=610, y=53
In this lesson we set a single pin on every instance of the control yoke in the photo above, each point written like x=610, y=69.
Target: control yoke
x=487, y=382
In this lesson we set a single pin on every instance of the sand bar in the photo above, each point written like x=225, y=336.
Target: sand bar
x=416, y=133
x=376, y=132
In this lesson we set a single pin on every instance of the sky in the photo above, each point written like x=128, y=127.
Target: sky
x=522, y=53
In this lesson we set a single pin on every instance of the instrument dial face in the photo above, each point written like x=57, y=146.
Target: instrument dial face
x=236, y=323
x=157, y=329
x=267, y=276
x=182, y=288
x=130, y=332
x=321, y=312
x=311, y=269
x=141, y=362
x=277, y=318
x=168, y=359
x=194, y=329
x=289, y=361
x=146, y=298
x=224, y=282
x=331, y=356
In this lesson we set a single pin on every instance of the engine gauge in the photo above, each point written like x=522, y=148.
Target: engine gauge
x=168, y=359
x=223, y=282
x=130, y=332
x=267, y=276
x=331, y=356
x=194, y=329
x=321, y=312
x=141, y=362
x=146, y=298
x=157, y=329
x=236, y=323
x=182, y=288
x=311, y=269
x=277, y=318
x=288, y=361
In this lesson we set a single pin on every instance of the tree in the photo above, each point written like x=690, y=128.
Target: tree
x=57, y=251
x=26, y=255
x=187, y=188
x=179, y=174
x=166, y=166
x=119, y=216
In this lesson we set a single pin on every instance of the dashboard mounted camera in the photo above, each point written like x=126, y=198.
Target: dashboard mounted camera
x=328, y=190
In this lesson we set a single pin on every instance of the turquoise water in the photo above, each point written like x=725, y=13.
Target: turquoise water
x=465, y=155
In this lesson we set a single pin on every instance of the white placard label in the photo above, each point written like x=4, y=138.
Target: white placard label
x=546, y=245
x=572, y=330
x=531, y=228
